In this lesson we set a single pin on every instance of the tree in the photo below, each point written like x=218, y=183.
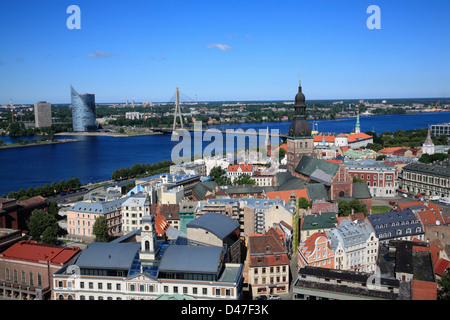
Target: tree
x=219, y=176
x=282, y=153
x=357, y=206
x=39, y=222
x=244, y=179
x=100, y=229
x=53, y=208
x=31, y=192
x=303, y=203
x=358, y=180
x=50, y=234
x=444, y=288
x=344, y=208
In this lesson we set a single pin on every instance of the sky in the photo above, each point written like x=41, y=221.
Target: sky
x=223, y=50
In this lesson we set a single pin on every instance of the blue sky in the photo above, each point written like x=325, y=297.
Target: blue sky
x=223, y=50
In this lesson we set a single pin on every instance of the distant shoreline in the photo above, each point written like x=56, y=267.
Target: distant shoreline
x=38, y=143
x=107, y=134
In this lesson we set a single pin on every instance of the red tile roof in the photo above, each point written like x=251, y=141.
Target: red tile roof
x=358, y=136
x=266, y=251
x=441, y=266
x=389, y=150
x=161, y=225
x=328, y=139
x=34, y=252
x=286, y=194
x=422, y=290
x=244, y=167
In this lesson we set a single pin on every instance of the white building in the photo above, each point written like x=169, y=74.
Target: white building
x=428, y=145
x=355, y=246
x=133, y=209
x=140, y=270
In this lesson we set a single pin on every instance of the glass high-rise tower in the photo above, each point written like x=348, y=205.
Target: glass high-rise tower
x=83, y=111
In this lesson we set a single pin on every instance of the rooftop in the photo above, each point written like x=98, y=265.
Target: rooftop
x=196, y=259
x=219, y=224
x=35, y=252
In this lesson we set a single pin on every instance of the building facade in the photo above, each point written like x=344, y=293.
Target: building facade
x=81, y=217
x=42, y=114
x=397, y=225
x=26, y=268
x=381, y=178
x=268, y=271
x=83, y=111
x=427, y=179
x=355, y=246
x=132, y=211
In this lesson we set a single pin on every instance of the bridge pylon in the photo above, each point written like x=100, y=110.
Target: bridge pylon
x=177, y=110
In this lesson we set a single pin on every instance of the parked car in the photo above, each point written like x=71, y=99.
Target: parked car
x=392, y=203
x=445, y=200
x=434, y=197
x=404, y=195
x=274, y=297
x=262, y=297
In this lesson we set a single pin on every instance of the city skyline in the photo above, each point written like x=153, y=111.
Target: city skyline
x=223, y=51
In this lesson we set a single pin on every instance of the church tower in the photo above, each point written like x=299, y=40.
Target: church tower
x=358, y=127
x=149, y=248
x=299, y=138
x=267, y=144
x=428, y=145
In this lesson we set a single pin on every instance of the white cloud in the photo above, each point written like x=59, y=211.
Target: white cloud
x=219, y=46
x=99, y=54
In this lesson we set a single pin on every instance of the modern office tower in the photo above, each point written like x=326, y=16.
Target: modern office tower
x=42, y=114
x=83, y=111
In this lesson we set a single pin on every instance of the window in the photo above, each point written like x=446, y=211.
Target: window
x=217, y=292
x=141, y=288
x=91, y=285
x=109, y=286
x=118, y=286
x=205, y=291
x=131, y=287
x=100, y=286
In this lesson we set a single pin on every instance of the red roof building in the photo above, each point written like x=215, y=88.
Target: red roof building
x=316, y=252
x=26, y=268
x=268, y=265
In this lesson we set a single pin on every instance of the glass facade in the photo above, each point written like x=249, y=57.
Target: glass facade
x=83, y=111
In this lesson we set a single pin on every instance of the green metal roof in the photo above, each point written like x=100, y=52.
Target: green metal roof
x=308, y=165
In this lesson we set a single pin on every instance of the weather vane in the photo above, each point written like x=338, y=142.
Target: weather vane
x=299, y=80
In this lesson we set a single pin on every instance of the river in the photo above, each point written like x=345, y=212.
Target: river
x=93, y=159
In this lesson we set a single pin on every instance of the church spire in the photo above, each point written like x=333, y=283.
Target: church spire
x=357, y=128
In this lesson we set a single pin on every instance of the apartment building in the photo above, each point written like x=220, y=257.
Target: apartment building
x=268, y=266
x=81, y=217
x=133, y=209
x=355, y=246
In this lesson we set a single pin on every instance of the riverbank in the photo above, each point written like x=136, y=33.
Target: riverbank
x=108, y=134
x=35, y=143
